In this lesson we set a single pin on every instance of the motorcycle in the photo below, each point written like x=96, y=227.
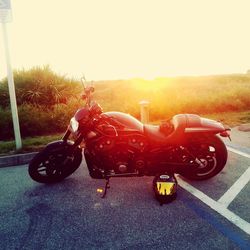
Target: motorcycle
x=116, y=144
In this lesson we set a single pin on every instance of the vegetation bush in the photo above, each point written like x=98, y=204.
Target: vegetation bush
x=40, y=87
x=6, y=127
x=47, y=101
x=36, y=120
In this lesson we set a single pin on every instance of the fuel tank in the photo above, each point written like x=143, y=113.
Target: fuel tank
x=126, y=120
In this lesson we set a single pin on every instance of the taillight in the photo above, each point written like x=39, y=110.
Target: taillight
x=225, y=134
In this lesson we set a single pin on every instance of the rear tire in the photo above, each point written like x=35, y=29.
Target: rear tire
x=54, y=164
x=211, y=151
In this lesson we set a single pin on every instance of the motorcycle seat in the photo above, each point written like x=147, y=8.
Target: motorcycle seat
x=155, y=135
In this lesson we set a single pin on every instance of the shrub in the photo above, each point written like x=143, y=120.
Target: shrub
x=37, y=120
x=6, y=126
x=40, y=87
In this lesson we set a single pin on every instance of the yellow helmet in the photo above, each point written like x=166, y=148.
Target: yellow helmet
x=165, y=187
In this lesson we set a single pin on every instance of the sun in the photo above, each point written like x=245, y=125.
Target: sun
x=153, y=85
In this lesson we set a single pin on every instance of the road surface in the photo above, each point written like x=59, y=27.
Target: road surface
x=212, y=214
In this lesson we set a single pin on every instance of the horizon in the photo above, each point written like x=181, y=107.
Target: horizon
x=157, y=78
x=67, y=76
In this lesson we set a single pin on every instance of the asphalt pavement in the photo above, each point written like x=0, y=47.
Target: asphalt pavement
x=72, y=215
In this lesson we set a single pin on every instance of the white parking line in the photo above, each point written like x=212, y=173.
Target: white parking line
x=227, y=198
x=233, y=191
x=232, y=217
x=238, y=152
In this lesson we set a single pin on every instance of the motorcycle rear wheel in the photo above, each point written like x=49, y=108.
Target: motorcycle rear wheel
x=54, y=165
x=211, y=151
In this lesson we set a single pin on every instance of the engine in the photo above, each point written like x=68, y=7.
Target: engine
x=120, y=155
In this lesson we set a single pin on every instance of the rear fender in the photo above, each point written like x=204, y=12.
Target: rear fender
x=204, y=125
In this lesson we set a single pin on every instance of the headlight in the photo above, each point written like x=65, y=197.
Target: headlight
x=74, y=124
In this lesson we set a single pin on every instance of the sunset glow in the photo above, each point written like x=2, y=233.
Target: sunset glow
x=116, y=39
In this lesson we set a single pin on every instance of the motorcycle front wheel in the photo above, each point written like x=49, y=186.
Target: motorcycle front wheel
x=210, y=151
x=54, y=164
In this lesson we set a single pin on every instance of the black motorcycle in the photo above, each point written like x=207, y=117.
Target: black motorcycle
x=118, y=145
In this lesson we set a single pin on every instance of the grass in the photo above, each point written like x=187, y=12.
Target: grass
x=169, y=96
x=32, y=144
x=230, y=118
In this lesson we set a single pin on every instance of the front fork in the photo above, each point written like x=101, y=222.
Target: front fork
x=77, y=141
x=76, y=144
x=66, y=135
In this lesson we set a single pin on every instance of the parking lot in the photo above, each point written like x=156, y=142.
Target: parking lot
x=227, y=194
x=212, y=214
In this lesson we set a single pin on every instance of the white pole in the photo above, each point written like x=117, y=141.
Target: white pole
x=12, y=90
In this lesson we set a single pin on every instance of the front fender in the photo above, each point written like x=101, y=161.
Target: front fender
x=59, y=145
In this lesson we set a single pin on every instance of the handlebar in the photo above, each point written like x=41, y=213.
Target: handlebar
x=87, y=91
x=87, y=94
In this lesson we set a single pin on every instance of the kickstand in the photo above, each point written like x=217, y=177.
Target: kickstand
x=106, y=188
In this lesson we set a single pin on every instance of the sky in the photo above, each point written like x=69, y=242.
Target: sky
x=121, y=39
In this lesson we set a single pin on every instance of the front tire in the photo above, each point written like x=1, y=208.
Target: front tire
x=54, y=163
x=210, y=151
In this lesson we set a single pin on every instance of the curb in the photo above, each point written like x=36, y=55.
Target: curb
x=15, y=160
x=244, y=127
